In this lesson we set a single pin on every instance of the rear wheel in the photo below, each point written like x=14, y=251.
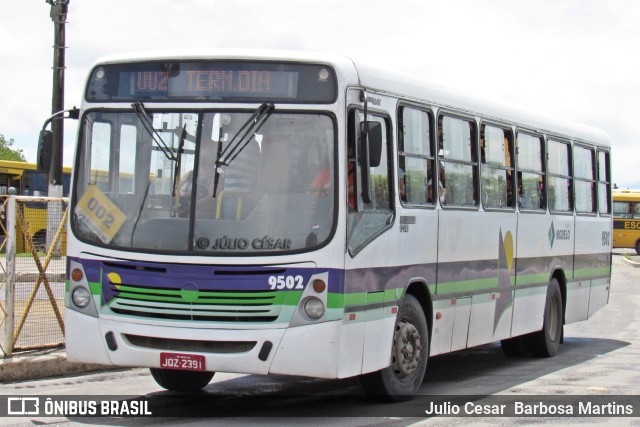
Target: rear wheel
x=545, y=343
x=638, y=247
x=410, y=351
x=176, y=380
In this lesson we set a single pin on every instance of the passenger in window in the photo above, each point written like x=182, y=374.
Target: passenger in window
x=205, y=182
x=520, y=196
x=541, y=193
x=321, y=183
x=241, y=181
x=441, y=189
x=509, y=193
x=351, y=199
x=402, y=188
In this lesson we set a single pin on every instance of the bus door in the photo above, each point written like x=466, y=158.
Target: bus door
x=371, y=236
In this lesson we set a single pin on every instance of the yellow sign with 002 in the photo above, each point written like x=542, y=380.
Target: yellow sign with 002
x=100, y=214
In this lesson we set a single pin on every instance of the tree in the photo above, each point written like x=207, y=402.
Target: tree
x=8, y=153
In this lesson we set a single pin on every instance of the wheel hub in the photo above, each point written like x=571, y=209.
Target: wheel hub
x=407, y=350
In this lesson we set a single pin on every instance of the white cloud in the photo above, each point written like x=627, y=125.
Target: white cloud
x=573, y=58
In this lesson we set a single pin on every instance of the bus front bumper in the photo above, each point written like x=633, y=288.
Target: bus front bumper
x=311, y=350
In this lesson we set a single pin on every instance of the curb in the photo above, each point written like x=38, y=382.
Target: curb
x=33, y=276
x=630, y=262
x=43, y=364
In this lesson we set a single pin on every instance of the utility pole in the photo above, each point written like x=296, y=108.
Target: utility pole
x=59, y=10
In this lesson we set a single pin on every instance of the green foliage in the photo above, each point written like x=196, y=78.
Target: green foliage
x=8, y=153
x=380, y=190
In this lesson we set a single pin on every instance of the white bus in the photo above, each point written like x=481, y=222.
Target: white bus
x=309, y=215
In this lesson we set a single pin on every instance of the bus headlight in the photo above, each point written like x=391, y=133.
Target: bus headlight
x=81, y=297
x=314, y=308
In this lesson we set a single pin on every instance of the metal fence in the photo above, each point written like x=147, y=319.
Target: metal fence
x=32, y=272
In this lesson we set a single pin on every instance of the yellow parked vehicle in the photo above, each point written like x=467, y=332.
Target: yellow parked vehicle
x=28, y=181
x=626, y=219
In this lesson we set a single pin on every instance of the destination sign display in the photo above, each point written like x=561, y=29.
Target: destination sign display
x=212, y=81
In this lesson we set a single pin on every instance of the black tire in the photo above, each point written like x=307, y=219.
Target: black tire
x=638, y=247
x=545, y=343
x=402, y=379
x=514, y=347
x=40, y=241
x=176, y=380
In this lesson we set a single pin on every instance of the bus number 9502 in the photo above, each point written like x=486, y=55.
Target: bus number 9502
x=286, y=282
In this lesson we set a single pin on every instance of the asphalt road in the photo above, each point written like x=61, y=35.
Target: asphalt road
x=598, y=362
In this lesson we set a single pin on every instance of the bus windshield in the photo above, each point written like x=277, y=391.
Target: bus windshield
x=185, y=182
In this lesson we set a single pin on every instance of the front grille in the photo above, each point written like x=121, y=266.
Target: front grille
x=199, y=293
x=224, y=347
x=205, y=306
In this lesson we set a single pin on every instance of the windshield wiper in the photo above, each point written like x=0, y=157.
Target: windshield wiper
x=147, y=123
x=178, y=164
x=240, y=140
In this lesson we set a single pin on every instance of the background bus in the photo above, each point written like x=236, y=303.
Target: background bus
x=626, y=219
x=281, y=217
x=27, y=181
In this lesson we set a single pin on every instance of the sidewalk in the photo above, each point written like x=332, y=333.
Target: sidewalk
x=32, y=365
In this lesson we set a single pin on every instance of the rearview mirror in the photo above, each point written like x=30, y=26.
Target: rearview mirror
x=45, y=144
x=370, y=154
x=373, y=131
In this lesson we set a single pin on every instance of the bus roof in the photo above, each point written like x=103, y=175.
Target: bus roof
x=404, y=86
x=11, y=166
x=428, y=92
x=625, y=195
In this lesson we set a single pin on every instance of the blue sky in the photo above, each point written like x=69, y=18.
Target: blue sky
x=577, y=59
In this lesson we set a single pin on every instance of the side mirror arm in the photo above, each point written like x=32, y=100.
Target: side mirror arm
x=45, y=139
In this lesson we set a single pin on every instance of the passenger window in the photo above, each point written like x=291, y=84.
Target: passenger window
x=623, y=209
x=375, y=217
x=559, y=176
x=531, y=189
x=127, y=159
x=457, y=169
x=415, y=157
x=604, y=183
x=584, y=173
x=496, y=148
x=101, y=133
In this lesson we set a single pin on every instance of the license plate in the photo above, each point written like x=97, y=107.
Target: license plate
x=186, y=362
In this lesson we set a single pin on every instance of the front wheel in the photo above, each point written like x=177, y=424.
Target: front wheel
x=545, y=343
x=402, y=379
x=638, y=247
x=176, y=380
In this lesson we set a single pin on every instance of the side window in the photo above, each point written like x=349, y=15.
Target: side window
x=458, y=176
x=496, y=149
x=559, y=176
x=531, y=189
x=415, y=157
x=623, y=209
x=127, y=158
x=100, y=155
x=375, y=217
x=584, y=173
x=604, y=183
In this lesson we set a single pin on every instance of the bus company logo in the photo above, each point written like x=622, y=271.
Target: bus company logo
x=559, y=234
x=23, y=406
